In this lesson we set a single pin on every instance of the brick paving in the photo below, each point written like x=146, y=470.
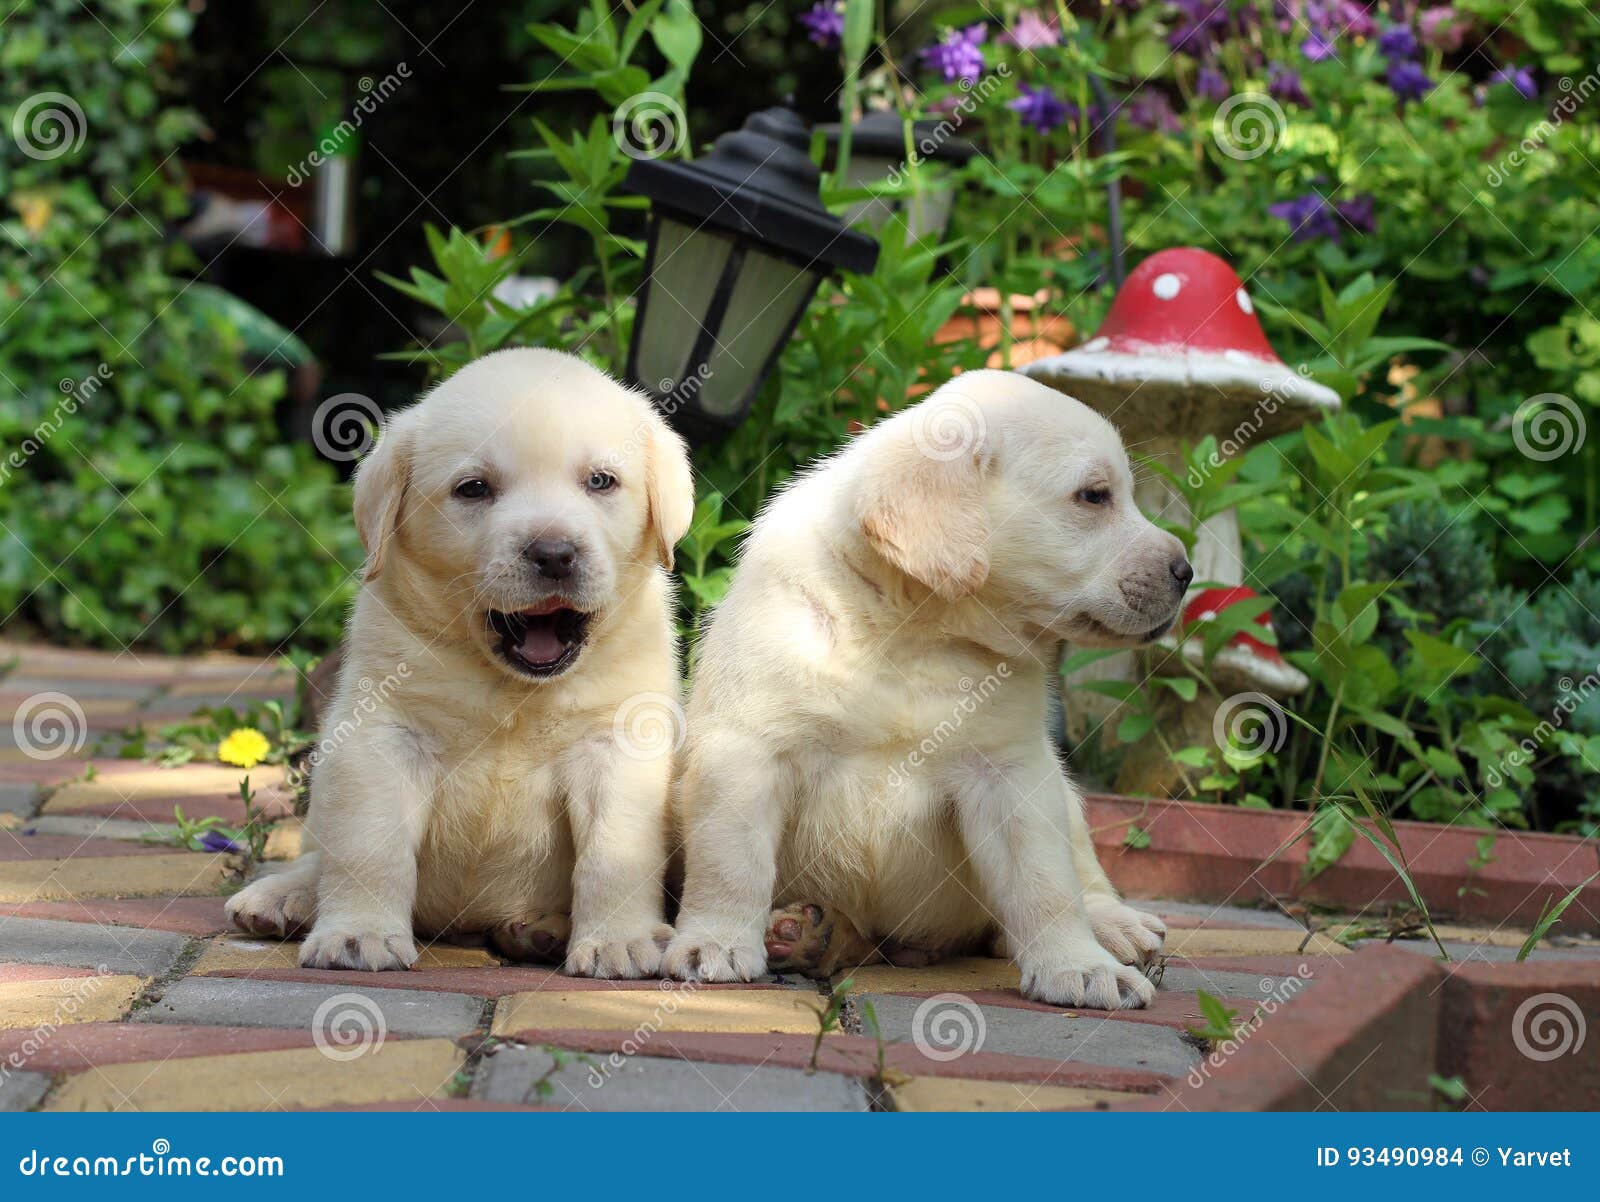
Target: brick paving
x=122, y=988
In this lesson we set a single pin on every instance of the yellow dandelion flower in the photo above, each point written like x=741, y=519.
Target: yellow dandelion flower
x=245, y=747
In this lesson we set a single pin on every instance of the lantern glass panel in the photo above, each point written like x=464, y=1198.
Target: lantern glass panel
x=766, y=300
x=684, y=273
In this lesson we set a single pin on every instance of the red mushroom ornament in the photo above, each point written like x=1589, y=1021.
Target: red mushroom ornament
x=1246, y=663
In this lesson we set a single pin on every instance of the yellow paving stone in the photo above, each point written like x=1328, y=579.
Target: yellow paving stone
x=1494, y=937
x=160, y=784
x=1208, y=941
x=722, y=1010
x=180, y=874
x=397, y=1070
x=952, y=976
x=285, y=839
x=954, y=1093
x=236, y=953
x=54, y=1003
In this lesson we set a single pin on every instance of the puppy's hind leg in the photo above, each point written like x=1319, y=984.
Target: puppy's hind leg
x=816, y=941
x=540, y=938
x=280, y=906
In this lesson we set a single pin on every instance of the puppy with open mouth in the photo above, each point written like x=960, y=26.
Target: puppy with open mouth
x=867, y=727
x=480, y=771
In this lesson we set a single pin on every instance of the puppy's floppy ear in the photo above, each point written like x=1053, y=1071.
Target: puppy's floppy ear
x=381, y=481
x=669, y=487
x=920, y=500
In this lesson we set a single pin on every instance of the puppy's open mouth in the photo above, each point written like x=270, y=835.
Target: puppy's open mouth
x=540, y=641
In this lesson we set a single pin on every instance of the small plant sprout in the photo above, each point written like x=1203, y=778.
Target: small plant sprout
x=829, y=1016
x=1221, y=1021
x=1549, y=916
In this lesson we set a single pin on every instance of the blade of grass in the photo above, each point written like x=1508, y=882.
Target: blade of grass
x=1548, y=918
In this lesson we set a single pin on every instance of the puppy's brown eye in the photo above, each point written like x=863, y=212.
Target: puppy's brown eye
x=1095, y=496
x=600, y=481
x=473, y=489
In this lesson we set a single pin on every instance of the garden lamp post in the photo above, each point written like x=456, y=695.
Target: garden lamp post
x=878, y=152
x=738, y=243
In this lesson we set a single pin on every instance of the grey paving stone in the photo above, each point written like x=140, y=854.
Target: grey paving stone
x=236, y=1002
x=81, y=690
x=22, y=1091
x=89, y=945
x=1226, y=984
x=1475, y=953
x=602, y=1083
x=18, y=798
x=1017, y=1032
x=1220, y=916
x=90, y=826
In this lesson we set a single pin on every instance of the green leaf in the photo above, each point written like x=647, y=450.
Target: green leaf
x=1549, y=916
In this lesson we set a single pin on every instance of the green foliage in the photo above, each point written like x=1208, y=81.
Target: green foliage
x=149, y=495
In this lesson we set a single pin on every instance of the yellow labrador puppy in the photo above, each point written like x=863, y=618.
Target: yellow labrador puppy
x=867, y=745
x=477, y=774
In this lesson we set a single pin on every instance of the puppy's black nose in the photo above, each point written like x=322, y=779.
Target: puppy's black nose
x=1182, y=572
x=551, y=557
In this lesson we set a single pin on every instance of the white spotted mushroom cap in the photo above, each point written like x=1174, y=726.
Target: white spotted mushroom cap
x=1182, y=353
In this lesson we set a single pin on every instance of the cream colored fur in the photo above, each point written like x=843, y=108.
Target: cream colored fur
x=454, y=794
x=867, y=721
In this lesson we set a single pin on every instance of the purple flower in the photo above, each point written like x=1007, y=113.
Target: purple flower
x=1407, y=80
x=1354, y=18
x=1204, y=26
x=1039, y=108
x=824, y=23
x=1032, y=32
x=1443, y=28
x=1398, y=42
x=1211, y=83
x=1309, y=216
x=216, y=841
x=1151, y=109
x=1317, y=48
x=1358, y=213
x=1519, y=78
x=1284, y=84
x=958, y=57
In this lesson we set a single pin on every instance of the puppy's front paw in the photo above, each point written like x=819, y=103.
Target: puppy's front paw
x=618, y=955
x=715, y=954
x=363, y=949
x=273, y=906
x=1088, y=977
x=1132, y=936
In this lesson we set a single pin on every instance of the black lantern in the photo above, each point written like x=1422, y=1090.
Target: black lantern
x=878, y=152
x=738, y=243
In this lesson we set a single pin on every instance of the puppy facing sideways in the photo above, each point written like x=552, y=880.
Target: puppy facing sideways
x=867, y=747
x=473, y=778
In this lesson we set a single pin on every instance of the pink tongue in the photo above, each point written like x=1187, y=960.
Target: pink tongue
x=540, y=645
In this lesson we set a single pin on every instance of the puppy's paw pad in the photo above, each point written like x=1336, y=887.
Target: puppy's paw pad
x=1132, y=936
x=797, y=939
x=358, y=950
x=541, y=938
